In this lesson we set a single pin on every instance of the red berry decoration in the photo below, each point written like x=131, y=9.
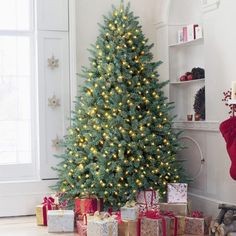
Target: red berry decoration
x=190, y=77
x=183, y=78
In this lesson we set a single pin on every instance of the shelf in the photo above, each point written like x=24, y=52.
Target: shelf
x=187, y=82
x=231, y=102
x=206, y=125
x=188, y=43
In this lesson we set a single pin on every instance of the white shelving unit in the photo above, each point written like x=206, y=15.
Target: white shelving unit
x=188, y=82
x=182, y=58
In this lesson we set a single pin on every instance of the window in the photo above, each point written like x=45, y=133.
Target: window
x=18, y=149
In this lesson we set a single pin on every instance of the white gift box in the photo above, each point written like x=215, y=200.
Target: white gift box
x=129, y=213
x=60, y=221
x=105, y=227
x=177, y=193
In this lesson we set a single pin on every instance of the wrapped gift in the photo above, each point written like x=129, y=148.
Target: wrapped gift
x=177, y=223
x=155, y=225
x=61, y=221
x=207, y=223
x=194, y=225
x=88, y=205
x=180, y=209
x=42, y=209
x=102, y=225
x=177, y=193
x=128, y=228
x=82, y=226
x=180, y=228
x=129, y=211
x=148, y=200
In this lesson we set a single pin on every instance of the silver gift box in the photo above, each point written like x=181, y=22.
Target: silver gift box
x=60, y=221
x=129, y=213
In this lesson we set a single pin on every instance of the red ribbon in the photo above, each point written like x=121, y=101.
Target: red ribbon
x=155, y=215
x=118, y=217
x=171, y=215
x=197, y=214
x=153, y=196
x=47, y=205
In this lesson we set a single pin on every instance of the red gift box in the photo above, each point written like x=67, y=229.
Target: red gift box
x=88, y=205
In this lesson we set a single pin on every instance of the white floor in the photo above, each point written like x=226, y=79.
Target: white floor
x=24, y=226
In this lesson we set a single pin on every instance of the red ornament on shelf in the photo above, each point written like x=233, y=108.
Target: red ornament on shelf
x=190, y=77
x=183, y=78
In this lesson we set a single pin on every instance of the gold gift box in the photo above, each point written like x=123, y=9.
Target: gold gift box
x=128, y=228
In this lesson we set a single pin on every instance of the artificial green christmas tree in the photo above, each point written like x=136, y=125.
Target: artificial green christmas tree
x=121, y=140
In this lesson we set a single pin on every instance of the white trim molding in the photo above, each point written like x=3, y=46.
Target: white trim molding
x=72, y=45
x=163, y=7
x=212, y=126
x=210, y=5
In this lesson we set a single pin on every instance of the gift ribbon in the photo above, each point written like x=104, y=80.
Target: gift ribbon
x=156, y=215
x=130, y=204
x=197, y=214
x=47, y=205
x=105, y=216
x=171, y=215
x=118, y=217
x=153, y=196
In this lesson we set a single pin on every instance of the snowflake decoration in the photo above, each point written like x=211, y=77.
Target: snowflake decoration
x=53, y=62
x=56, y=143
x=53, y=102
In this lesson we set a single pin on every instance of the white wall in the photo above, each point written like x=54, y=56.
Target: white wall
x=214, y=185
x=89, y=13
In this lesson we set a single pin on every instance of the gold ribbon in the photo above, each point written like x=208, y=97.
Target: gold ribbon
x=130, y=204
x=106, y=216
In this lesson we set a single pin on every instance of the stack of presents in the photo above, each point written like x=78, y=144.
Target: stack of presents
x=145, y=217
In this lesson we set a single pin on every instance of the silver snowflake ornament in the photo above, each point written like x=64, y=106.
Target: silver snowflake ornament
x=53, y=62
x=53, y=102
x=56, y=143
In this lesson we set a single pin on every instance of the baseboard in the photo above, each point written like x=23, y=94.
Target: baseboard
x=205, y=204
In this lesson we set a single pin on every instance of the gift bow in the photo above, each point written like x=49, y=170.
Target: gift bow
x=49, y=202
x=197, y=214
x=130, y=204
x=105, y=216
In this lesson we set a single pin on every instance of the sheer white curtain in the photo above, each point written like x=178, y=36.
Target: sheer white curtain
x=18, y=122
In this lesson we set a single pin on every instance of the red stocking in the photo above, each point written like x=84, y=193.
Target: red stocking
x=228, y=130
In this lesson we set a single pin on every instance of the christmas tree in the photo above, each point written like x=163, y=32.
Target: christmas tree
x=121, y=139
